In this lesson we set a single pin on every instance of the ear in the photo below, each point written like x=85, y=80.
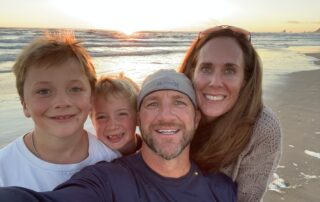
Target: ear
x=197, y=118
x=25, y=108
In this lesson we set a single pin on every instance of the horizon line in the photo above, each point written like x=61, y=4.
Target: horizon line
x=159, y=30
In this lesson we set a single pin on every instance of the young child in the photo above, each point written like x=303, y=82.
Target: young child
x=114, y=113
x=55, y=79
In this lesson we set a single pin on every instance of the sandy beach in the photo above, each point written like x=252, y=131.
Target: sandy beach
x=296, y=100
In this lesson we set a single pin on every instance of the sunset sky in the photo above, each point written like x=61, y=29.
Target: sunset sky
x=135, y=15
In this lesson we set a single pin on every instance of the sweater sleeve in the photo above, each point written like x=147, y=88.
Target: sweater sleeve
x=259, y=160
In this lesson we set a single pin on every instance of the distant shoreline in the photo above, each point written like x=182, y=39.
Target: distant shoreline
x=151, y=31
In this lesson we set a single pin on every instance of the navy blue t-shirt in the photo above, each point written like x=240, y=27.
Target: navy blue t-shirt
x=130, y=179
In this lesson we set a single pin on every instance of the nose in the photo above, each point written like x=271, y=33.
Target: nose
x=216, y=80
x=112, y=123
x=62, y=100
x=166, y=113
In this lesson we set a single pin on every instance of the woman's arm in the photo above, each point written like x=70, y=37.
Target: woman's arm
x=260, y=159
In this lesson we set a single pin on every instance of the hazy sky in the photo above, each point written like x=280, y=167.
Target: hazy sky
x=133, y=15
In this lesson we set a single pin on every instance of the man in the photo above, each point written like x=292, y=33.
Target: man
x=162, y=170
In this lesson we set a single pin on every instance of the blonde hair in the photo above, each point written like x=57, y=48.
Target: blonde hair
x=50, y=50
x=219, y=143
x=118, y=86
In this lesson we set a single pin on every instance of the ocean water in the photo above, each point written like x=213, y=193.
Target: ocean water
x=138, y=55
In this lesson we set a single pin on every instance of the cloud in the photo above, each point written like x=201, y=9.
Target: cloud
x=294, y=22
x=300, y=22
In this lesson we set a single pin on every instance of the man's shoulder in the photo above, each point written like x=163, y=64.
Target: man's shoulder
x=222, y=184
x=119, y=165
x=220, y=178
x=105, y=174
x=129, y=161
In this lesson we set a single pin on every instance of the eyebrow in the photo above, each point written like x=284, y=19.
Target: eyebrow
x=233, y=64
x=205, y=63
x=42, y=82
x=151, y=97
x=48, y=82
x=180, y=95
x=118, y=110
x=76, y=80
x=212, y=64
x=123, y=109
x=100, y=113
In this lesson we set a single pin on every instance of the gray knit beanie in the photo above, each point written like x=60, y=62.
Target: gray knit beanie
x=166, y=79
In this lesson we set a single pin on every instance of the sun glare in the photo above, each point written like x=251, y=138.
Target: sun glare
x=140, y=15
x=128, y=31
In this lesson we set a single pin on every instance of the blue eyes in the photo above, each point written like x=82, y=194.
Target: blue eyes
x=179, y=102
x=157, y=104
x=107, y=117
x=228, y=70
x=43, y=92
x=152, y=104
x=49, y=91
x=76, y=89
x=100, y=117
x=205, y=69
x=123, y=114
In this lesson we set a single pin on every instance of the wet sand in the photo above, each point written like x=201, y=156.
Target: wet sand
x=296, y=100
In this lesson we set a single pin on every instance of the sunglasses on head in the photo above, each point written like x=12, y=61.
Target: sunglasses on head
x=237, y=30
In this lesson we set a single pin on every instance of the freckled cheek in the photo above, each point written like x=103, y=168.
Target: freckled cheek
x=101, y=128
x=85, y=103
x=39, y=105
x=130, y=124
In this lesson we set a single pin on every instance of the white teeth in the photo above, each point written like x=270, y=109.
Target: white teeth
x=113, y=136
x=167, y=132
x=215, y=97
x=62, y=117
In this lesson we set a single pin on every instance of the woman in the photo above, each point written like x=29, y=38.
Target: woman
x=237, y=134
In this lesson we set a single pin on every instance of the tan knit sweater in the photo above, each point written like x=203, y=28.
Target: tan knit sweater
x=254, y=168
